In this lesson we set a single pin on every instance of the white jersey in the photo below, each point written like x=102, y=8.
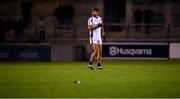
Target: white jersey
x=95, y=34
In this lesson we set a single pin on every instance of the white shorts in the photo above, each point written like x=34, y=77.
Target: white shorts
x=95, y=40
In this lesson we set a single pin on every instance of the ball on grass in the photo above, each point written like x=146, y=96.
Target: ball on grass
x=77, y=82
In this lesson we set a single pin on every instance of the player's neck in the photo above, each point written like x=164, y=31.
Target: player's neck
x=96, y=16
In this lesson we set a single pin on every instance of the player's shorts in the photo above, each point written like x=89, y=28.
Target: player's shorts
x=95, y=40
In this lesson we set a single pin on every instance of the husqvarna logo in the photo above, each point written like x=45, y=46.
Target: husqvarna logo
x=113, y=50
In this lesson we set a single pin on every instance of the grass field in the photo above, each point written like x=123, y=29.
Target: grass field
x=118, y=79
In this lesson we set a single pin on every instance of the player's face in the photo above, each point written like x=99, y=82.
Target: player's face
x=94, y=13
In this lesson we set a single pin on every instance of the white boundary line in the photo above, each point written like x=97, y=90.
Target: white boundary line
x=135, y=43
x=135, y=58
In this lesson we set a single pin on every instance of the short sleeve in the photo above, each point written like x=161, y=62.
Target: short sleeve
x=101, y=21
x=90, y=21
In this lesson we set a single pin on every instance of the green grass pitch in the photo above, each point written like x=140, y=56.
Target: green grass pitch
x=120, y=79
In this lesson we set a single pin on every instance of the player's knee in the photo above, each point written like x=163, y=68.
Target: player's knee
x=98, y=54
x=95, y=52
x=98, y=57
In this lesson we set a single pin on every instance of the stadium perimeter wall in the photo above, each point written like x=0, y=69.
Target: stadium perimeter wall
x=174, y=51
x=81, y=52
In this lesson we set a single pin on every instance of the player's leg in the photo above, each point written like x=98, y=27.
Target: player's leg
x=93, y=55
x=100, y=50
x=99, y=54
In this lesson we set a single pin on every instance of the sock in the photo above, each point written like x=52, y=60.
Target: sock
x=99, y=64
x=90, y=63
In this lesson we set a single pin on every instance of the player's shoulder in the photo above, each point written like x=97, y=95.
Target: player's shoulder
x=90, y=18
x=99, y=17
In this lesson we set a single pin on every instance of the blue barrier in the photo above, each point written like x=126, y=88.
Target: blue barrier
x=25, y=52
x=136, y=51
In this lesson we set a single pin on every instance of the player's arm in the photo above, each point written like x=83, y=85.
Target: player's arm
x=102, y=27
x=103, y=33
x=90, y=24
x=92, y=27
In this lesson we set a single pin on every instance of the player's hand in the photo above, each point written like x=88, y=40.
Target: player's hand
x=104, y=36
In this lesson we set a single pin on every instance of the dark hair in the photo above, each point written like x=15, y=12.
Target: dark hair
x=95, y=9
